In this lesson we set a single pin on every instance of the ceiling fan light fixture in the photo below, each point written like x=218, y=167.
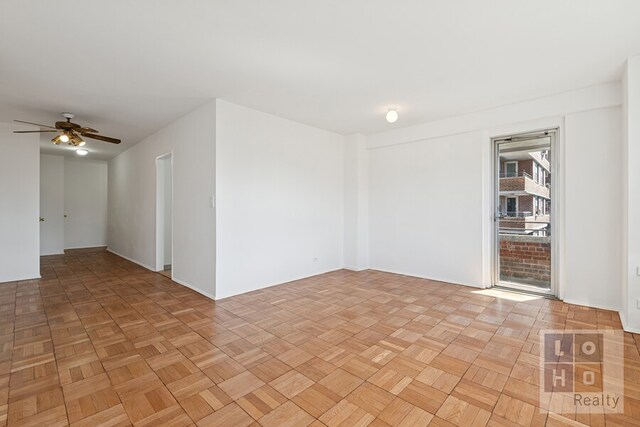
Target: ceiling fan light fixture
x=82, y=152
x=68, y=132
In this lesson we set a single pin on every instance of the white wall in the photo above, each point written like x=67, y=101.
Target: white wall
x=426, y=209
x=356, y=203
x=593, y=202
x=279, y=190
x=431, y=182
x=85, y=203
x=51, y=204
x=19, y=204
x=132, y=199
x=630, y=313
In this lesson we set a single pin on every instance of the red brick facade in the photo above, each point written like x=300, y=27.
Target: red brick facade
x=525, y=258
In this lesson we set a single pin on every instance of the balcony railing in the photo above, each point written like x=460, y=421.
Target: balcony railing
x=515, y=214
x=515, y=175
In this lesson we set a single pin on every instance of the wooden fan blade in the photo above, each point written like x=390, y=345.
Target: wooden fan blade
x=35, y=124
x=86, y=130
x=102, y=138
x=33, y=131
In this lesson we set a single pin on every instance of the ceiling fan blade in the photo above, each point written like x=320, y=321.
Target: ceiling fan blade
x=102, y=138
x=35, y=124
x=33, y=131
x=86, y=130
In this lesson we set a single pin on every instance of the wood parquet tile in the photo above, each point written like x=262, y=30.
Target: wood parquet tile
x=100, y=341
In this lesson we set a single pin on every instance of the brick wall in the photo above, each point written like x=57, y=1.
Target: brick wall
x=527, y=258
x=512, y=184
x=525, y=204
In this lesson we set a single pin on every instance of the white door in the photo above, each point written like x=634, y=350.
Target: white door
x=51, y=205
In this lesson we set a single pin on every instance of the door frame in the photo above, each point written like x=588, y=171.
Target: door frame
x=160, y=220
x=555, y=220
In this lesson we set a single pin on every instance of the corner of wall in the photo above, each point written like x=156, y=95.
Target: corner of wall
x=356, y=203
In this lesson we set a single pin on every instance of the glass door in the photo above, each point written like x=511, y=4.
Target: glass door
x=523, y=212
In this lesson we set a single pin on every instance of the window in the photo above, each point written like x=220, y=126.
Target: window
x=511, y=169
x=512, y=206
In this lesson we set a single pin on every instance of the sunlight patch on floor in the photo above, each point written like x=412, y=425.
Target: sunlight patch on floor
x=511, y=296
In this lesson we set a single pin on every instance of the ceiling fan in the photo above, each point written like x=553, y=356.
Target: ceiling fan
x=69, y=132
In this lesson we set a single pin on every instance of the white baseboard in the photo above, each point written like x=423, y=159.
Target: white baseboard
x=88, y=247
x=434, y=279
x=201, y=292
x=131, y=259
x=588, y=304
x=178, y=281
x=627, y=328
x=351, y=268
x=19, y=279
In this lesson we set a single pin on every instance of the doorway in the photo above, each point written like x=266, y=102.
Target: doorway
x=524, y=212
x=164, y=214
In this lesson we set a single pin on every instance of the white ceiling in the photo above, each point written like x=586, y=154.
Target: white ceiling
x=127, y=68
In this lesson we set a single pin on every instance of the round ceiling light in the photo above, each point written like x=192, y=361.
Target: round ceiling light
x=82, y=152
x=392, y=115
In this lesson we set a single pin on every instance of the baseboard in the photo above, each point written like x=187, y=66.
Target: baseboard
x=627, y=328
x=351, y=268
x=584, y=304
x=295, y=279
x=178, y=281
x=434, y=279
x=201, y=292
x=131, y=259
x=22, y=279
x=89, y=247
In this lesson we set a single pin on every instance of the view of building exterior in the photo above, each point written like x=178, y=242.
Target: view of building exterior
x=525, y=202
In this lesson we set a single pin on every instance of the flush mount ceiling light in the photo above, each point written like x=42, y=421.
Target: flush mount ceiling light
x=392, y=115
x=82, y=152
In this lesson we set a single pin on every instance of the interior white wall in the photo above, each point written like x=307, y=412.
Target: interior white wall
x=19, y=204
x=132, y=199
x=593, y=200
x=51, y=204
x=426, y=209
x=630, y=313
x=424, y=176
x=279, y=190
x=356, y=203
x=85, y=203
x=589, y=98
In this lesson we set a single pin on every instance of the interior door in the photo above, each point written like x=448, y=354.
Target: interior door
x=51, y=205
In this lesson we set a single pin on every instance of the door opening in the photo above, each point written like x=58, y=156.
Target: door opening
x=524, y=223
x=164, y=214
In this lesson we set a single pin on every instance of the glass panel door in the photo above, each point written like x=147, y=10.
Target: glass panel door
x=524, y=231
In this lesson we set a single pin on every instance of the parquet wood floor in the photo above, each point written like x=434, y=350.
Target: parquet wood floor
x=101, y=341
